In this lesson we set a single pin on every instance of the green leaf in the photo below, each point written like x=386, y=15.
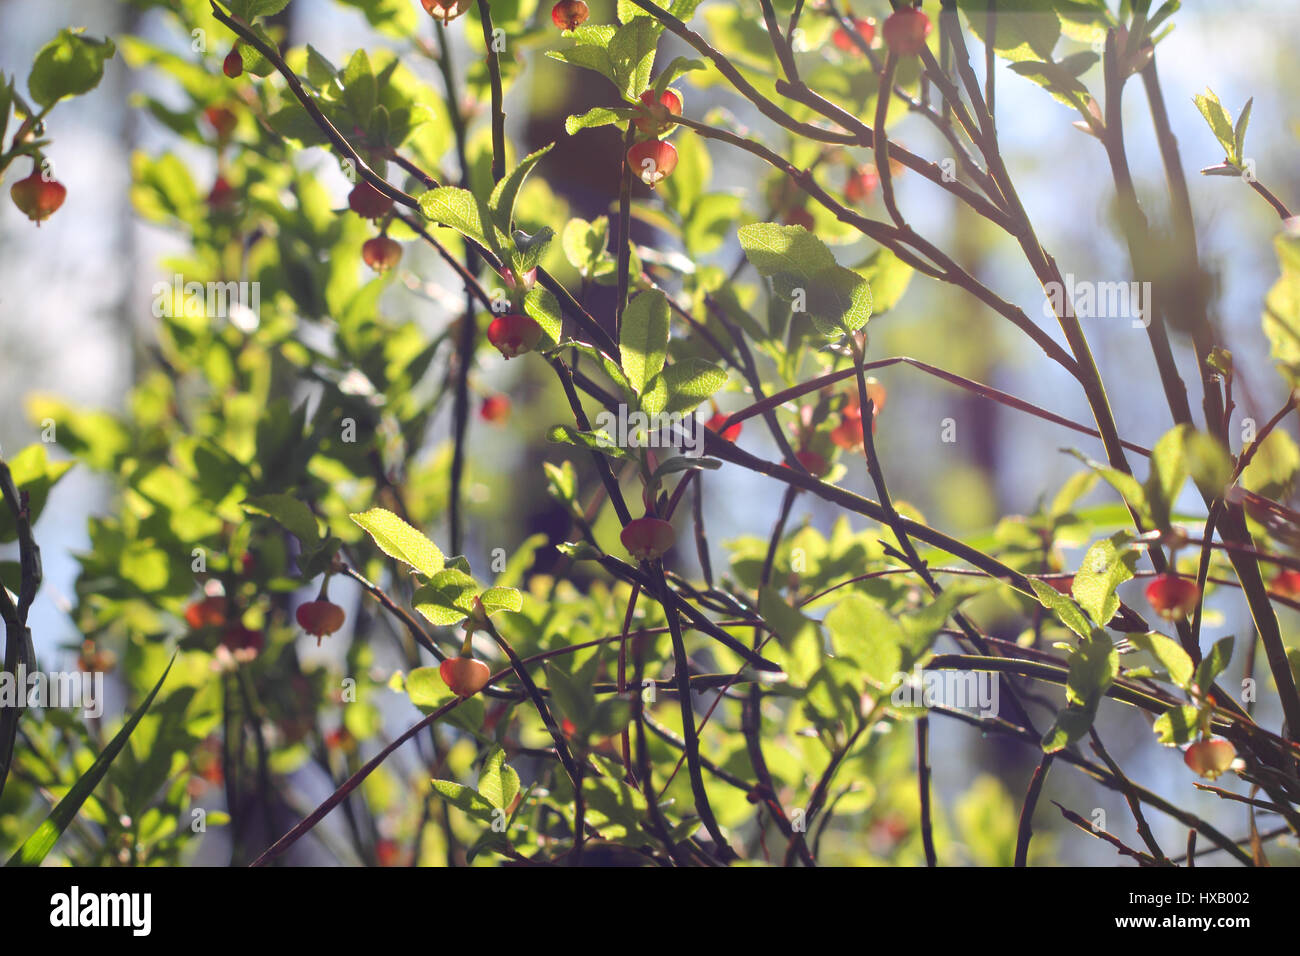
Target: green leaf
x=32, y=472
x=501, y=599
x=632, y=54
x=498, y=783
x=399, y=540
x=596, y=117
x=584, y=243
x=596, y=440
x=1239, y=133
x=1094, y=665
x=502, y=202
x=1128, y=487
x=887, y=276
x=804, y=273
x=643, y=338
x=689, y=382
x=462, y=211
x=1106, y=565
x=540, y=305
x=1208, y=463
x=448, y=598
x=1027, y=29
x=1214, y=663
x=1168, y=474
x=467, y=799
x=291, y=514
x=529, y=250
x=1168, y=653
x=360, y=92
x=69, y=65
x=861, y=629
x=1071, y=724
x=34, y=850
x=1066, y=611
x=1177, y=725
x=425, y=687
x=1219, y=120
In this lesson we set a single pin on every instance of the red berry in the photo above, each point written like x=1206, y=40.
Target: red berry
x=320, y=618
x=905, y=31
x=37, y=197
x=647, y=538
x=657, y=117
x=445, y=10
x=464, y=676
x=381, y=253
x=569, y=14
x=514, y=334
x=864, y=27
x=1173, y=597
x=233, y=65
x=495, y=409
x=653, y=161
x=368, y=202
x=848, y=433
x=242, y=641
x=813, y=462
x=210, y=612
x=1287, y=583
x=222, y=120
x=862, y=182
x=715, y=424
x=222, y=195
x=1209, y=758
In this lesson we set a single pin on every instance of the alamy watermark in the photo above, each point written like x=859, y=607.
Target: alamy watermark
x=82, y=690
x=976, y=691
x=240, y=302
x=639, y=429
x=1099, y=300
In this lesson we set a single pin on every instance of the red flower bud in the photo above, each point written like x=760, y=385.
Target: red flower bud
x=368, y=202
x=652, y=161
x=320, y=618
x=864, y=27
x=905, y=31
x=222, y=120
x=1173, y=597
x=464, y=676
x=861, y=184
x=1209, y=758
x=381, y=253
x=38, y=198
x=647, y=538
x=233, y=65
x=657, y=117
x=210, y=612
x=514, y=334
x=715, y=424
x=495, y=409
x=445, y=10
x=569, y=14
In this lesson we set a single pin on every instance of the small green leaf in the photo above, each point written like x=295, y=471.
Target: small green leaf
x=69, y=65
x=1218, y=118
x=1107, y=565
x=399, y=540
x=1168, y=653
x=643, y=338
x=467, y=799
x=689, y=382
x=498, y=783
x=291, y=514
x=502, y=201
